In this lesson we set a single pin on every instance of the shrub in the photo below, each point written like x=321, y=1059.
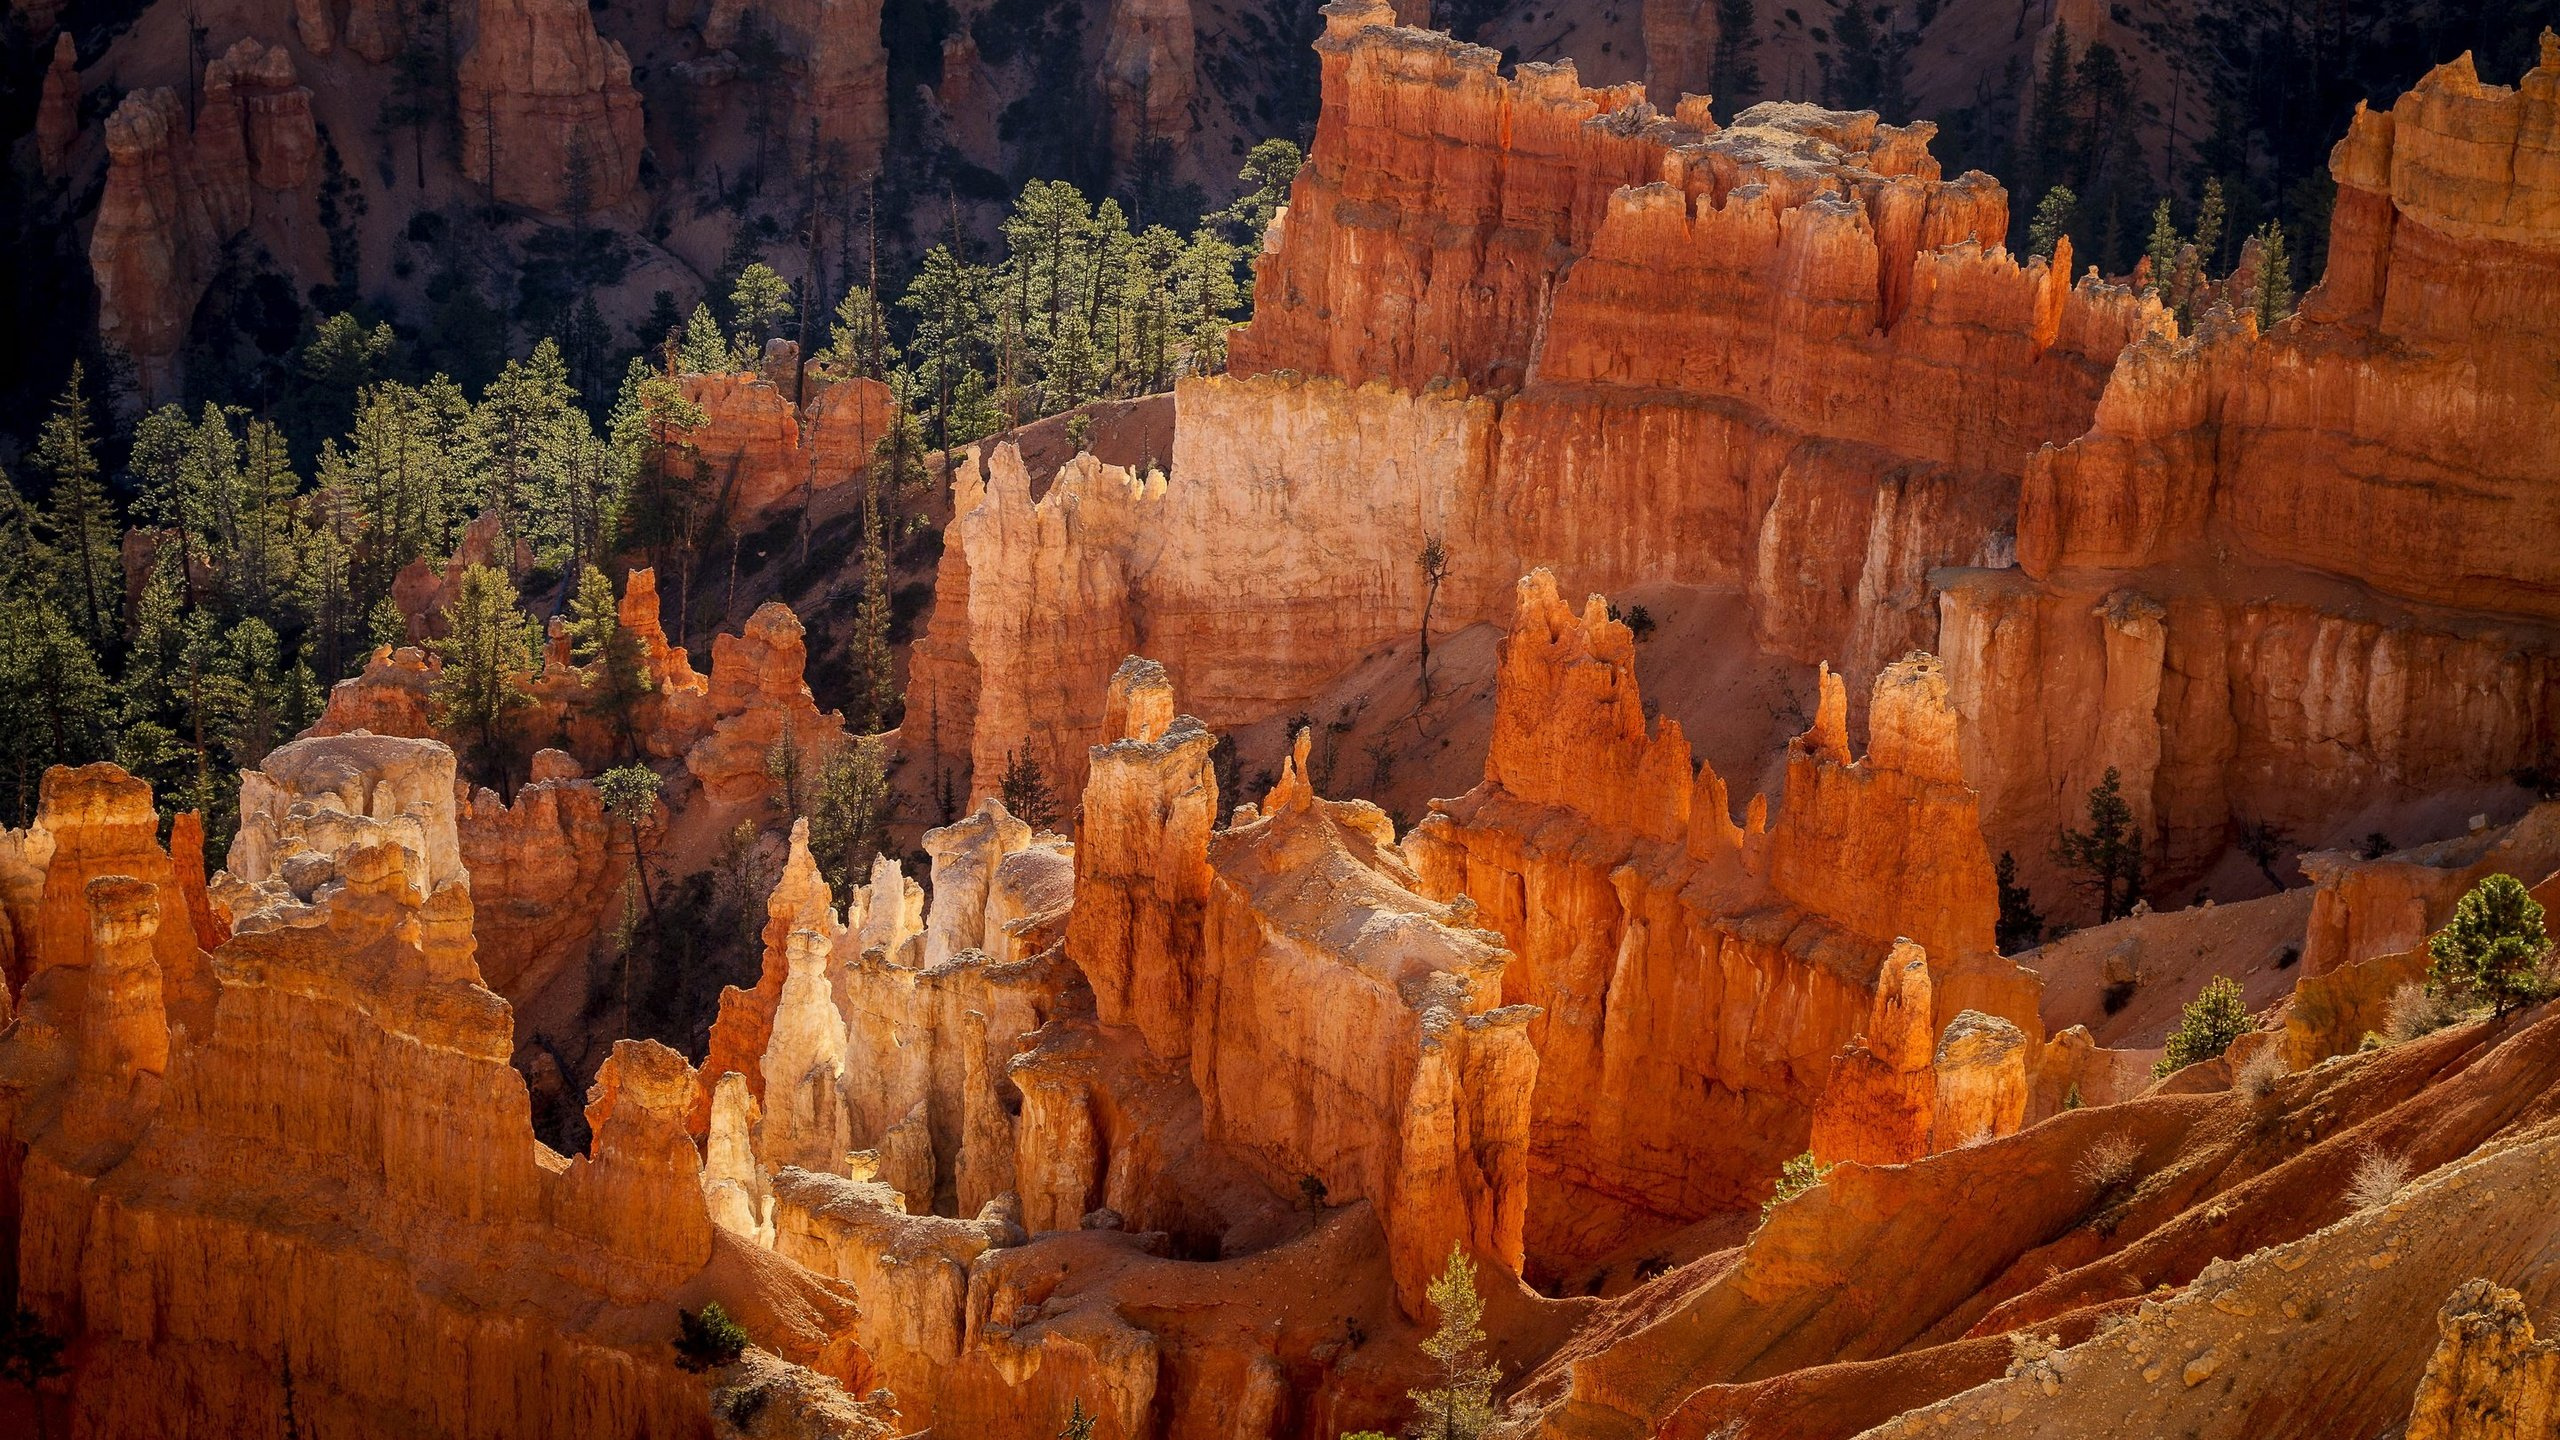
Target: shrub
x=2378, y=1178
x=2119, y=994
x=708, y=1339
x=2259, y=1078
x=1794, y=1178
x=2206, y=1027
x=2416, y=1010
x=2109, y=1162
x=2494, y=946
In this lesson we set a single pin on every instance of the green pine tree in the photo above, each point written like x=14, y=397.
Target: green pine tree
x=489, y=654
x=1460, y=1407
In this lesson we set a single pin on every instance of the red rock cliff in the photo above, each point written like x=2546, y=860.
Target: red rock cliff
x=547, y=109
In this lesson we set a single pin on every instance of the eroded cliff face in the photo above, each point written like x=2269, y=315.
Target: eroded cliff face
x=1545, y=325
x=1147, y=77
x=339, y=1121
x=180, y=187
x=549, y=119
x=840, y=69
x=1612, y=865
x=768, y=454
x=2356, y=666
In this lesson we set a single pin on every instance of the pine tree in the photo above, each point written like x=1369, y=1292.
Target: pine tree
x=705, y=350
x=83, y=523
x=2161, y=250
x=852, y=802
x=630, y=796
x=2054, y=217
x=2272, y=297
x=2209, y=220
x=525, y=434
x=2109, y=854
x=2206, y=1026
x=1733, y=75
x=1025, y=790
x=760, y=298
x=1460, y=1407
x=489, y=654
x=859, y=344
x=2021, y=925
x=616, y=676
x=876, y=692
x=2052, y=127
x=2494, y=947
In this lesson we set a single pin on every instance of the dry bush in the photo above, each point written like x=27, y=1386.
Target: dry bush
x=2259, y=1078
x=2416, y=1009
x=2109, y=1162
x=2377, y=1179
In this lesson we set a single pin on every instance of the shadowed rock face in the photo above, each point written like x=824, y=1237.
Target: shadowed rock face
x=179, y=188
x=549, y=118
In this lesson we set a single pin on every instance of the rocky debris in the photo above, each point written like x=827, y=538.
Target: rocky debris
x=1147, y=74
x=549, y=118
x=2490, y=1378
x=765, y=1397
x=58, y=109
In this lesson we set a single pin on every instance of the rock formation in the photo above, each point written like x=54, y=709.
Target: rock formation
x=758, y=695
x=339, y=1120
x=1147, y=76
x=768, y=455
x=1842, y=395
x=2490, y=1378
x=548, y=117
x=2308, y=450
x=839, y=69
x=58, y=109
x=1611, y=864
x=1545, y=324
x=177, y=191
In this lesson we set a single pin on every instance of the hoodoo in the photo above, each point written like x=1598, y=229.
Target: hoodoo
x=1589, y=764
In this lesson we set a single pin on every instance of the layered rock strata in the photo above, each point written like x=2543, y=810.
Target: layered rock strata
x=2355, y=666
x=1611, y=863
x=1546, y=325
x=342, y=1123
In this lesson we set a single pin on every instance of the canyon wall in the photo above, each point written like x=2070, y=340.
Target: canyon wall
x=2289, y=577
x=1544, y=325
x=549, y=119
x=1548, y=325
x=1694, y=975
x=179, y=188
